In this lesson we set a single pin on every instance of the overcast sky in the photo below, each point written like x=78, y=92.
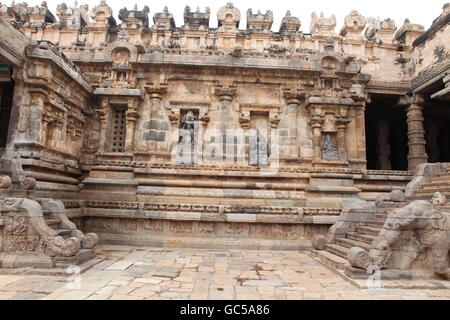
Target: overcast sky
x=422, y=12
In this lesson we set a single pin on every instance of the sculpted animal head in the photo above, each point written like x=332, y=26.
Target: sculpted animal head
x=381, y=253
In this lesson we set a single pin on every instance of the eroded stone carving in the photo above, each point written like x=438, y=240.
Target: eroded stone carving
x=5, y=182
x=49, y=243
x=318, y=242
x=88, y=241
x=430, y=227
x=329, y=151
x=290, y=23
x=228, y=17
x=321, y=25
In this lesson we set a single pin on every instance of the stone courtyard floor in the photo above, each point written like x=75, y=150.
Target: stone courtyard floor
x=161, y=273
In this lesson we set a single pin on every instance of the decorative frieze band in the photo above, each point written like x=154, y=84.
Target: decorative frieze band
x=142, y=164
x=212, y=208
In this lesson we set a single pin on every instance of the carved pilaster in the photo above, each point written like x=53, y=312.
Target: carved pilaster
x=316, y=126
x=103, y=112
x=416, y=133
x=150, y=114
x=132, y=116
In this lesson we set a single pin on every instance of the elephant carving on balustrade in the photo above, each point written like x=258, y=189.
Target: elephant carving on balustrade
x=88, y=240
x=30, y=213
x=430, y=228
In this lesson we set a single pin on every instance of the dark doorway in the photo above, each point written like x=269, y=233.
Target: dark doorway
x=437, y=131
x=386, y=134
x=6, y=99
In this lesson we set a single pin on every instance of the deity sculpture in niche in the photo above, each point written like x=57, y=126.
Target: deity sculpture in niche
x=258, y=150
x=329, y=151
x=121, y=56
x=188, y=125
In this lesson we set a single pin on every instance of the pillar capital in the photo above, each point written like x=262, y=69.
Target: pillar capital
x=225, y=94
x=411, y=99
x=156, y=91
x=293, y=96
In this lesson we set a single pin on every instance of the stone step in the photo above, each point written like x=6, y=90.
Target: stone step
x=53, y=222
x=381, y=217
x=337, y=250
x=444, y=191
x=63, y=232
x=334, y=261
x=376, y=223
x=444, y=178
x=436, y=185
x=349, y=243
x=366, y=238
x=368, y=230
x=83, y=256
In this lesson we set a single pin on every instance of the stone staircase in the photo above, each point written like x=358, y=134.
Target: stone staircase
x=440, y=183
x=335, y=255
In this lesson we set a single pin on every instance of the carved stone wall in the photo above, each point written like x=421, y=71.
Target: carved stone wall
x=87, y=82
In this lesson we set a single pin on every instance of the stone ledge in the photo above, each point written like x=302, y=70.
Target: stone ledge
x=333, y=189
x=207, y=243
x=210, y=217
x=60, y=272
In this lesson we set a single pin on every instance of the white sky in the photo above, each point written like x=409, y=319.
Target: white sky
x=418, y=11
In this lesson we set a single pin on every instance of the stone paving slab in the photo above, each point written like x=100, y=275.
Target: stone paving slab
x=134, y=273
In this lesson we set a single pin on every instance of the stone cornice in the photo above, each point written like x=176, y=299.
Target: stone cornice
x=44, y=52
x=435, y=27
x=438, y=70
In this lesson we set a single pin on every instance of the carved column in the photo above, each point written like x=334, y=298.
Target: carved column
x=102, y=113
x=341, y=127
x=293, y=99
x=316, y=126
x=155, y=93
x=132, y=117
x=416, y=133
x=384, y=149
x=225, y=96
x=361, y=102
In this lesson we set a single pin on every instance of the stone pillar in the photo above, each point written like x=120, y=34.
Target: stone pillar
x=293, y=99
x=155, y=93
x=383, y=148
x=103, y=113
x=416, y=133
x=342, y=149
x=316, y=139
x=433, y=132
x=361, y=129
x=132, y=116
x=226, y=96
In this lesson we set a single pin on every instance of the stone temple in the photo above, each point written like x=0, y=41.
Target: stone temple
x=142, y=132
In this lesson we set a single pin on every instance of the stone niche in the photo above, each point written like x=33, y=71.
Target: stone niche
x=259, y=122
x=228, y=18
x=189, y=121
x=328, y=119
